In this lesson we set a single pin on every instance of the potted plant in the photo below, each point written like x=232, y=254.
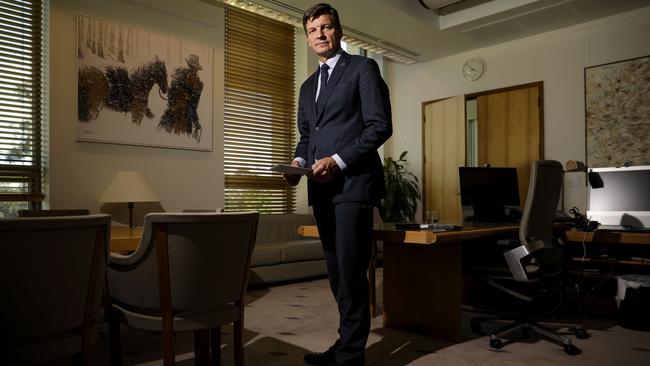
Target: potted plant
x=402, y=193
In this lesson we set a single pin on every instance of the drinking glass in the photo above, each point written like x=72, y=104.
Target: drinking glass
x=432, y=217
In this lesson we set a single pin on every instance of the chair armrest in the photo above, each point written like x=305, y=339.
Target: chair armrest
x=122, y=261
x=515, y=257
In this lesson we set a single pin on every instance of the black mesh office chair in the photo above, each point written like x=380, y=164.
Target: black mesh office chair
x=536, y=266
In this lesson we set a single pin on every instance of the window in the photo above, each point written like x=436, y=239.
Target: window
x=21, y=63
x=259, y=112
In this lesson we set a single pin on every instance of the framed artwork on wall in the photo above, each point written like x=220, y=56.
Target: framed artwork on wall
x=617, y=112
x=136, y=87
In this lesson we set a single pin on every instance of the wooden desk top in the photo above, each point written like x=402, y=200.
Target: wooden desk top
x=387, y=232
x=621, y=237
x=125, y=239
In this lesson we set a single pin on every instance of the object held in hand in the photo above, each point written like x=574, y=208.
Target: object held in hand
x=289, y=169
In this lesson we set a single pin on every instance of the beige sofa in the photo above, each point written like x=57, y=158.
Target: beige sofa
x=281, y=254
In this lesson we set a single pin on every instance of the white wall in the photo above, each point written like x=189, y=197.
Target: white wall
x=557, y=58
x=80, y=171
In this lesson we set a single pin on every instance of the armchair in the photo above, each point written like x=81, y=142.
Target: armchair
x=52, y=272
x=50, y=213
x=537, y=264
x=189, y=273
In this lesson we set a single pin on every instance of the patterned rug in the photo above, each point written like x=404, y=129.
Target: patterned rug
x=284, y=322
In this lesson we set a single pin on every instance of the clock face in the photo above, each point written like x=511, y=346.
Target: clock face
x=473, y=69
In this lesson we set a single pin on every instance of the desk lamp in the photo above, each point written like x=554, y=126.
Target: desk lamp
x=130, y=187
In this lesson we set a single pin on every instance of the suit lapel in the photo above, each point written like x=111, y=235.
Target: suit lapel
x=333, y=80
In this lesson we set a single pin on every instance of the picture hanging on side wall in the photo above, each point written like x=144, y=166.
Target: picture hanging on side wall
x=617, y=110
x=140, y=88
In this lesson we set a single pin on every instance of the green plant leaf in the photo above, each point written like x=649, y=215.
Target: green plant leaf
x=402, y=192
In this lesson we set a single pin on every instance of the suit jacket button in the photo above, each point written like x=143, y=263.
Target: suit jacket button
x=317, y=128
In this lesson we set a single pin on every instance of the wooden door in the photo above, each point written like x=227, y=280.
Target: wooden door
x=509, y=131
x=443, y=148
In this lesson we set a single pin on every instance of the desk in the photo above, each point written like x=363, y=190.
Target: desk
x=621, y=237
x=422, y=276
x=621, y=247
x=125, y=239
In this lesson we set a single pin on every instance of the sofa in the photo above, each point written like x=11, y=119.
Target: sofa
x=281, y=254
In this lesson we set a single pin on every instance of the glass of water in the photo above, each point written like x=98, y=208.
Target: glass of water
x=432, y=217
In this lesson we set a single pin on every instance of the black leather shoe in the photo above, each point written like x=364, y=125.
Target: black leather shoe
x=322, y=359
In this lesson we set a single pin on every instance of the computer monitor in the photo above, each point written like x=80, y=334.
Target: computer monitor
x=620, y=196
x=487, y=194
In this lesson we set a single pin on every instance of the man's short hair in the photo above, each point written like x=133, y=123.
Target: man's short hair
x=318, y=10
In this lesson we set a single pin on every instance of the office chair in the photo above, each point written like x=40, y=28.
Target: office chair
x=189, y=273
x=537, y=264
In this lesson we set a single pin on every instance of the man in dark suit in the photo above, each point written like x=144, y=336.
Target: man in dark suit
x=344, y=116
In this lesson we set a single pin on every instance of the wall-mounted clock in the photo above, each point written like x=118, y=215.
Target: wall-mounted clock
x=473, y=69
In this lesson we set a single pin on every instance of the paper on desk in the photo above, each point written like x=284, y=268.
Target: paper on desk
x=288, y=169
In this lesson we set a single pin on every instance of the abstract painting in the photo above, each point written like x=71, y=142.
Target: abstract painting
x=140, y=88
x=617, y=110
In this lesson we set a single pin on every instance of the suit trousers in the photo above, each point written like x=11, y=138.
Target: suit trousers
x=346, y=231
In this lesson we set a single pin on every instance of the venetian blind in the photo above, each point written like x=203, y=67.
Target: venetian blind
x=259, y=112
x=20, y=100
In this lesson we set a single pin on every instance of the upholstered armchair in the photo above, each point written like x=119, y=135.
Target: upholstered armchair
x=52, y=272
x=189, y=273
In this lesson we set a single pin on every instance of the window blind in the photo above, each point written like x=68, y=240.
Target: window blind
x=259, y=111
x=20, y=100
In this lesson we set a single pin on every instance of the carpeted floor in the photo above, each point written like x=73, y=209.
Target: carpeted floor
x=283, y=322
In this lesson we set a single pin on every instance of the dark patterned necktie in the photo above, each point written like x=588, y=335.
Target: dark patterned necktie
x=324, y=74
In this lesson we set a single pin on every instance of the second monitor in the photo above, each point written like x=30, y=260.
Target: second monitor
x=489, y=194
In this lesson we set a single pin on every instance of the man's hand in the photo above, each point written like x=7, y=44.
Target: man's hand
x=292, y=179
x=324, y=169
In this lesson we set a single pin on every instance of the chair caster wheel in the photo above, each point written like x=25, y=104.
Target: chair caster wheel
x=572, y=350
x=581, y=334
x=497, y=344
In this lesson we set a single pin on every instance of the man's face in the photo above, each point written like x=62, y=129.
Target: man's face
x=322, y=37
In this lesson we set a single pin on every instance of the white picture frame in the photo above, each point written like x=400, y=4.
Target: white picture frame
x=136, y=87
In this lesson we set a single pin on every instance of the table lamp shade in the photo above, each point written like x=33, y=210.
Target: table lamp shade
x=129, y=186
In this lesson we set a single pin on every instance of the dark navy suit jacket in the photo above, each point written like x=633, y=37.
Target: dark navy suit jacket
x=355, y=120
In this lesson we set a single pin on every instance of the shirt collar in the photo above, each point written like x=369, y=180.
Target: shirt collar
x=331, y=62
